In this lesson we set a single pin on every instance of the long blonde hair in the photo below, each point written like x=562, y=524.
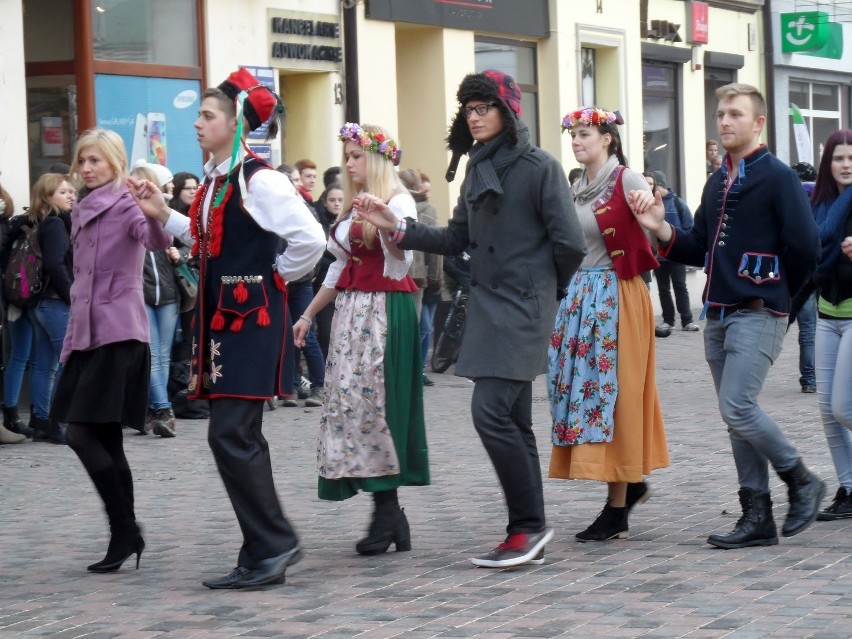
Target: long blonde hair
x=110, y=145
x=382, y=181
x=43, y=190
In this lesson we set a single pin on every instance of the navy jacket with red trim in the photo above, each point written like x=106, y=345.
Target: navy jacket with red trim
x=756, y=237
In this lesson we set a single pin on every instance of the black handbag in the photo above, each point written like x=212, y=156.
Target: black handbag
x=187, y=280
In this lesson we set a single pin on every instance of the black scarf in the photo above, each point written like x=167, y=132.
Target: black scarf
x=489, y=161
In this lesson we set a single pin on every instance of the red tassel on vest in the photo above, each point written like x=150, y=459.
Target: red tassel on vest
x=263, y=317
x=218, y=321
x=237, y=325
x=241, y=293
x=280, y=284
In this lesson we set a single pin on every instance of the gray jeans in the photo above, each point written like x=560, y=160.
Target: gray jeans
x=740, y=348
x=834, y=380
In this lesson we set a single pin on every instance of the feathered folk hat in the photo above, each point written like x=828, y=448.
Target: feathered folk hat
x=258, y=105
x=492, y=87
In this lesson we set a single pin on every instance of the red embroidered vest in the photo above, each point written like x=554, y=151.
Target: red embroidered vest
x=364, y=270
x=625, y=241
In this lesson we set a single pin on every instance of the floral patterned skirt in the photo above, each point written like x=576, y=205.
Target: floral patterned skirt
x=372, y=431
x=582, y=382
x=638, y=443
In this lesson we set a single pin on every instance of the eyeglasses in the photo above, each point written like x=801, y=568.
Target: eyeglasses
x=481, y=109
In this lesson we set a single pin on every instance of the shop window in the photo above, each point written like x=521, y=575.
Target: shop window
x=588, y=93
x=152, y=31
x=822, y=106
x=518, y=60
x=713, y=79
x=51, y=122
x=660, y=125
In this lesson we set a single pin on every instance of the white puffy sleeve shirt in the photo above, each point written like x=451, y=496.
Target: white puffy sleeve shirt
x=272, y=201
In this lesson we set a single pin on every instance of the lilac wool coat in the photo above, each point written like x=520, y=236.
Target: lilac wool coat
x=109, y=236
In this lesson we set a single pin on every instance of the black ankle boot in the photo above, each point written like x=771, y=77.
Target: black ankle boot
x=804, y=492
x=610, y=524
x=840, y=508
x=637, y=493
x=47, y=430
x=13, y=423
x=126, y=536
x=389, y=525
x=123, y=543
x=756, y=527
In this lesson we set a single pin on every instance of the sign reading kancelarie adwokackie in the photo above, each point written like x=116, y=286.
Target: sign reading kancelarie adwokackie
x=304, y=41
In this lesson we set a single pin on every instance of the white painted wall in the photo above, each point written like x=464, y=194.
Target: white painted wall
x=14, y=163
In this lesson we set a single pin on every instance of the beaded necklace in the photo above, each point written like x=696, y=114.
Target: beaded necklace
x=215, y=217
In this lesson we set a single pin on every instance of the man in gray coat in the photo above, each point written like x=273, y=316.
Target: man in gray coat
x=516, y=218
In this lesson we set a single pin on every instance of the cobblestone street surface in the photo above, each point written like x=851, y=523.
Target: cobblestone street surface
x=664, y=581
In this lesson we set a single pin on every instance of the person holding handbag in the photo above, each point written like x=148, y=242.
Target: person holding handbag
x=162, y=297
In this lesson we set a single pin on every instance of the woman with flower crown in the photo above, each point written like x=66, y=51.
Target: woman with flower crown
x=372, y=433
x=607, y=422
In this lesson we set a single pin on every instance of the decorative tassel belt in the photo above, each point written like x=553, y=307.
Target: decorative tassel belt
x=236, y=279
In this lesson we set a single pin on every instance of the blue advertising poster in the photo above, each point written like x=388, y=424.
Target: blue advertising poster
x=154, y=117
x=266, y=76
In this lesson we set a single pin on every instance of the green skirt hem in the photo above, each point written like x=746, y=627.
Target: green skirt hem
x=403, y=407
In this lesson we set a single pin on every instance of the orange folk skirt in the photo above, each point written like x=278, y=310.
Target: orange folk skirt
x=638, y=444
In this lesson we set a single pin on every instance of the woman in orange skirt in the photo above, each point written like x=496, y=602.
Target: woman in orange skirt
x=607, y=422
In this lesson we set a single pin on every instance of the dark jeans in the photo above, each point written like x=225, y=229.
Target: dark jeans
x=673, y=275
x=242, y=457
x=298, y=298
x=502, y=415
x=807, y=319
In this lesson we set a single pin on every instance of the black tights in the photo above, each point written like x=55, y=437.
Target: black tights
x=100, y=448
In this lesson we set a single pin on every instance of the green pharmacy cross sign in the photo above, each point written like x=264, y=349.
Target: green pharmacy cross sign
x=811, y=33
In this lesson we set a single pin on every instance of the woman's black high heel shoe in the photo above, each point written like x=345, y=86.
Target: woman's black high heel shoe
x=386, y=528
x=118, y=552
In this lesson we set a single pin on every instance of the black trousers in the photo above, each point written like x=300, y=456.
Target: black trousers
x=671, y=275
x=502, y=415
x=242, y=456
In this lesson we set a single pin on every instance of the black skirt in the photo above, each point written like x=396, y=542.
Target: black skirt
x=108, y=384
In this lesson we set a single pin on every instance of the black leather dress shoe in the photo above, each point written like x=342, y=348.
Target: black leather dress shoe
x=271, y=570
x=232, y=580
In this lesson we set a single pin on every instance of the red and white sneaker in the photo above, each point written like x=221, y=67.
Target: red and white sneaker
x=519, y=548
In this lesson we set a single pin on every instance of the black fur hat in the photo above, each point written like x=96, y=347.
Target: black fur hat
x=489, y=86
x=484, y=86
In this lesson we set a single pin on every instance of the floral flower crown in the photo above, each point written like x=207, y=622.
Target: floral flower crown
x=369, y=141
x=590, y=116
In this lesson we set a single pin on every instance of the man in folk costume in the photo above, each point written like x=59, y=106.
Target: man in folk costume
x=516, y=218
x=236, y=220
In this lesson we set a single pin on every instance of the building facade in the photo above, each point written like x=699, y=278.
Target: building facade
x=139, y=66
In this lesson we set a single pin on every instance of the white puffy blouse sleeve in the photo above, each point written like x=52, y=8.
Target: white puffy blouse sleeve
x=402, y=206
x=276, y=207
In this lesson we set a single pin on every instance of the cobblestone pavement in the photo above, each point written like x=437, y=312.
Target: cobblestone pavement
x=662, y=582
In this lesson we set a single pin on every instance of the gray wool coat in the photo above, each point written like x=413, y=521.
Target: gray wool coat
x=524, y=245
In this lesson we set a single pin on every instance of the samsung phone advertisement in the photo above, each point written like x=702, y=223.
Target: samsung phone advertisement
x=154, y=117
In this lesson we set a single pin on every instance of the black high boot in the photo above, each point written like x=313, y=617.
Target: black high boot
x=12, y=422
x=804, y=492
x=126, y=537
x=756, y=527
x=389, y=525
x=610, y=524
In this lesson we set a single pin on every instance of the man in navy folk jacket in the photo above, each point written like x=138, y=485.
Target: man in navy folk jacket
x=756, y=237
